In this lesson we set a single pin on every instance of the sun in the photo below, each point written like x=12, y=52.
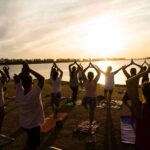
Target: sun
x=104, y=37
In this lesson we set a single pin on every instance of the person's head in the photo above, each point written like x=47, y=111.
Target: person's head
x=133, y=71
x=90, y=75
x=73, y=69
x=146, y=91
x=27, y=82
x=144, y=68
x=109, y=69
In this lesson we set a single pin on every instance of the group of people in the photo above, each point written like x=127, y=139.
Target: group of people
x=31, y=107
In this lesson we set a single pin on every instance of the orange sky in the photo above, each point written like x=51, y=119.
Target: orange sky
x=74, y=28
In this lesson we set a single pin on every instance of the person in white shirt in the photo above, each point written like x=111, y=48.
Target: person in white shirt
x=55, y=77
x=109, y=82
x=2, y=85
x=31, y=107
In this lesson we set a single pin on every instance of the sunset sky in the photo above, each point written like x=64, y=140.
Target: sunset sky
x=74, y=28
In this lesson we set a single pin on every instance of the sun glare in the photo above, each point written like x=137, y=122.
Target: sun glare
x=104, y=37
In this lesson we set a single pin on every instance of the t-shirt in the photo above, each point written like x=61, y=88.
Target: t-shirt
x=56, y=85
x=109, y=81
x=73, y=80
x=90, y=88
x=1, y=94
x=31, y=107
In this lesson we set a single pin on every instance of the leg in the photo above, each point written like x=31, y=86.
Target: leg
x=57, y=101
x=84, y=103
x=1, y=117
x=109, y=95
x=106, y=97
x=105, y=94
x=53, y=103
x=33, y=138
x=92, y=106
x=109, y=98
x=74, y=94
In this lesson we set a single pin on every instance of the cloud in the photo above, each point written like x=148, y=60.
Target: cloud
x=35, y=25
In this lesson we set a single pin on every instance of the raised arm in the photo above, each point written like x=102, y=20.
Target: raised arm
x=140, y=66
x=115, y=72
x=4, y=77
x=40, y=78
x=61, y=72
x=102, y=71
x=78, y=67
x=83, y=73
x=51, y=73
x=145, y=62
x=132, y=89
x=125, y=71
x=97, y=71
x=71, y=66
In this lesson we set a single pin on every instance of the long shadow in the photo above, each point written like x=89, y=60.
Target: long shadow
x=110, y=138
x=49, y=138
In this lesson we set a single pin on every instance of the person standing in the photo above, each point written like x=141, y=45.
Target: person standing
x=6, y=71
x=73, y=72
x=140, y=110
x=55, y=77
x=2, y=85
x=109, y=82
x=30, y=103
x=90, y=96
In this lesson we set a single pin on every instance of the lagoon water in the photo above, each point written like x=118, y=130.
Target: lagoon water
x=44, y=69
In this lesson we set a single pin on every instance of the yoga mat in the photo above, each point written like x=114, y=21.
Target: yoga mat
x=53, y=148
x=127, y=130
x=50, y=122
x=4, y=140
x=70, y=103
x=84, y=127
x=115, y=104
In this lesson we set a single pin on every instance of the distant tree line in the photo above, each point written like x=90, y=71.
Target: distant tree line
x=5, y=61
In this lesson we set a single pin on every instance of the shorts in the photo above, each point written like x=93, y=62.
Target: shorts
x=91, y=101
x=55, y=98
x=33, y=136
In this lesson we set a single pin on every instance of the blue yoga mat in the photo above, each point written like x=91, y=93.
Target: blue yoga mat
x=127, y=130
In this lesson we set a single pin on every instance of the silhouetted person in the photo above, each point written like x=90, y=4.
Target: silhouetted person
x=133, y=72
x=56, y=77
x=140, y=110
x=145, y=77
x=30, y=103
x=6, y=71
x=73, y=71
x=90, y=96
x=3, y=79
